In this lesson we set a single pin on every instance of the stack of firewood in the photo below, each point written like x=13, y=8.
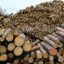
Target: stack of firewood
x=16, y=48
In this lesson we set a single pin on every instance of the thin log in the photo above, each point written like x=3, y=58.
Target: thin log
x=59, y=37
x=60, y=33
x=60, y=59
x=36, y=42
x=50, y=42
x=62, y=25
x=60, y=45
x=26, y=57
x=51, y=50
x=44, y=52
x=33, y=54
x=6, y=32
x=34, y=62
x=35, y=48
x=60, y=29
x=51, y=58
x=10, y=55
x=30, y=60
x=16, y=32
x=53, y=38
x=40, y=62
x=39, y=54
x=1, y=39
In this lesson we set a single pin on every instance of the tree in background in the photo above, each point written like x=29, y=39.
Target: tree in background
x=3, y=11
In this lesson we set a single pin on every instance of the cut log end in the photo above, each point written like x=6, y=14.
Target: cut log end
x=3, y=57
x=60, y=59
x=27, y=47
x=30, y=60
x=16, y=32
x=16, y=61
x=38, y=54
x=10, y=55
x=2, y=49
x=2, y=31
x=60, y=45
x=18, y=51
x=9, y=37
x=19, y=41
x=45, y=55
x=53, y=51
x=40, y=62
x=1, y=39
x=11, y=46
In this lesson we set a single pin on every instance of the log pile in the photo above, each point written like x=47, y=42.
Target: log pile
x=18, y=49
x=33, y=35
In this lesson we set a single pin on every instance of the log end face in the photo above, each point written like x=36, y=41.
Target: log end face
x=45, y=55
x=27, y=47
x=53, y=51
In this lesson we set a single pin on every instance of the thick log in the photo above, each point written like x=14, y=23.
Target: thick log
x=19, y=41
x=11, y=46
x=18, y=51
x=9, y=37
x=27, y=46
x=3, y=57
x=25, y=63
x=2, y=49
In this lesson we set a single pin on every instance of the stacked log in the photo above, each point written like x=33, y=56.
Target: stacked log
x=15, y=45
